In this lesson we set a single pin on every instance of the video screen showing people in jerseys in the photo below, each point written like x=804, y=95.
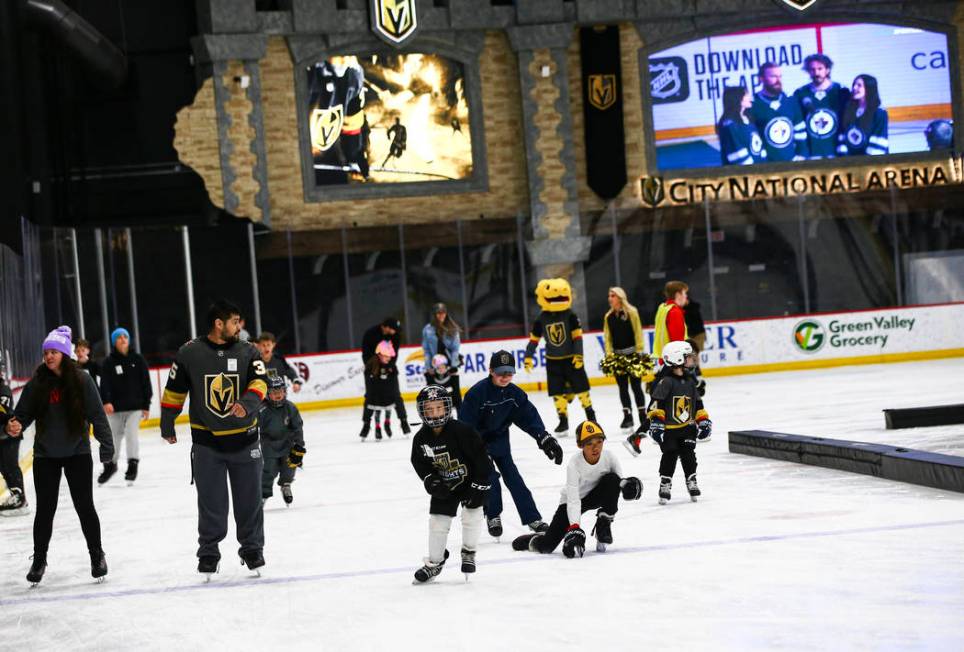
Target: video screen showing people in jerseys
x=801, y=93
x=388, y=119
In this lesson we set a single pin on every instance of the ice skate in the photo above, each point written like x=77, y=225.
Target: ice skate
x=603, y=531
x=253, y=559
x=131, y=473
x=692, y=487
x=364, y=431
x=562, y=430
x=632, y=445
x=208, y=566
x=406, y=429
x=538, y=526
x=494, y=526
x=98, y=565
x=468, y=563
x=388, y=428
x=527, y=542
x=37, y=569
x=430, y=570
x=378, y=432
x=665, y=489
x=627, y=423
x=110, y=468
x=15, y=504
x=590, y=414
x=286, y=493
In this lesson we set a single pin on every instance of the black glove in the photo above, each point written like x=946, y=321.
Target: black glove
x=704, y=430
x=477, y=495
x=574, y=543
x=436, y=487
x=632, y=488
x=656, y=431
x=549, y=446
x=296, y=456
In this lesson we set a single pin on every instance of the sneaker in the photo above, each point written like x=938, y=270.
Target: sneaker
x=98, y=564
x=632, y=445
x=286, y=493
x=665, y=489
x=468, y=561
x=253, y=559
x=495, y=526
x=539, y=526
x=37, y=568
x=692, y=487
x=208, y=564
x=430, y=570
x=110, y=468
x=627, y=423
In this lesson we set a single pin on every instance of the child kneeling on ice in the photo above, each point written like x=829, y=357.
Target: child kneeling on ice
x=593, y=481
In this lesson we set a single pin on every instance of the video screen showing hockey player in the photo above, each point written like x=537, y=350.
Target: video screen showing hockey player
x=388, y=119
x=799, y=93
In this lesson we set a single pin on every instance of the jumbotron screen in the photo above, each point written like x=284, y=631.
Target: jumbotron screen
x=388, y=119
x=800, y=93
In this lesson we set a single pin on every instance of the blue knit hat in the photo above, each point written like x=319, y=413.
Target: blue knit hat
x=117, y=333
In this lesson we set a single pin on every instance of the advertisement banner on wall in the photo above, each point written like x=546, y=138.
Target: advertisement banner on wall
x=740, y=346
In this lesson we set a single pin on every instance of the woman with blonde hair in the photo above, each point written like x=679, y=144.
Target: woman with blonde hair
x=625, y=358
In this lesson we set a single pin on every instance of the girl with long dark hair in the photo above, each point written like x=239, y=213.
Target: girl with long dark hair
x=64, y=403
x=441, y=337
x=863, y=126
x=740, y=142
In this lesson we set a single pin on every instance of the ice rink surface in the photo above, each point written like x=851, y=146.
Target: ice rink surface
x=775, y=556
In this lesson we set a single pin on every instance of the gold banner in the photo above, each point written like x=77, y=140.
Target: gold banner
x=657, y=191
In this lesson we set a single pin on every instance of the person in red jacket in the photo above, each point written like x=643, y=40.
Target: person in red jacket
x=670, y=322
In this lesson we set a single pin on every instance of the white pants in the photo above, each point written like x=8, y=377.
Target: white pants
x=438, y=533
x=124, y=426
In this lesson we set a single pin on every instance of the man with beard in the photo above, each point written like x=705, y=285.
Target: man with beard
x=821, y=101
x=778, y=118
x=227, y=381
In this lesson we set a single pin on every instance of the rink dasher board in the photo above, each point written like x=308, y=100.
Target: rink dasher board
x=935, y=415
x=879, y=460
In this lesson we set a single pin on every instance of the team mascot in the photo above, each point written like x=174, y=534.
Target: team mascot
x=565, y=371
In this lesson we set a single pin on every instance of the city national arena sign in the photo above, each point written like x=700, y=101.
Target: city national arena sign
x=655, y=191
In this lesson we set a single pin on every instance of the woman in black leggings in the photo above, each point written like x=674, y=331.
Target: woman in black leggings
x=623, y=337
x=63, y=401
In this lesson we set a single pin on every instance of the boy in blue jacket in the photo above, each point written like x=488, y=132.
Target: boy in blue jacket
x=491, y=406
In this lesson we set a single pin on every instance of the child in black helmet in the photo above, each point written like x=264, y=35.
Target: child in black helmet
x=593, y=481
x=282, y=440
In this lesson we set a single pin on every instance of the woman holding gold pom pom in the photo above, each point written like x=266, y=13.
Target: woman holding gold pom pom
x=625, y=358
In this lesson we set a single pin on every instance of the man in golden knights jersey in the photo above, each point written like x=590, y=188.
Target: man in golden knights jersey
x=336, y=122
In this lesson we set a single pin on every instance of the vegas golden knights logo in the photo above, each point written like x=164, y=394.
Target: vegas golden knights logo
x=556, y=333
x=394, y=21
x=221, y=392
x=452, y=471
x=682, y=408
x=652, y=190
x=325, y=127
x=602, y=91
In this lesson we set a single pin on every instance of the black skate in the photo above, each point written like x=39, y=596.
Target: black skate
x=591, y=414
x=603, y=531
x=286, y=493
x=98, y=565
x=665, y=489
x=208, y=565
x=538, y=526
x=627, y=423
x=494, y=525
x=406, y=429
x=378, y=432
x=253, y=559
x=692, y=487
x=15, y=504
x=388, y=428
x=37, y=568
x=429, y=571
x=364, y=431
x=632, y=445
x=468, y=562
x=562, y=430
x=110, y=468
x=131, y=474
x=527, y=542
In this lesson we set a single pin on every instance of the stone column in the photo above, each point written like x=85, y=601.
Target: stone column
x=233, y=62
x=558, y=247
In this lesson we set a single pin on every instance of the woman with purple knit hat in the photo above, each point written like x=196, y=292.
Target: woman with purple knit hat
x=64, y=403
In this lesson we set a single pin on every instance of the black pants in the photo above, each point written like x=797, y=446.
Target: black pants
x=10, y=462
x=79, y=470
x=604, y=496
x=637, y=384
x=678, y=444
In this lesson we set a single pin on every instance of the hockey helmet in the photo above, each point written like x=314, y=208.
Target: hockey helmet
x=276, y=384
x=431, y=394
x=675, y=353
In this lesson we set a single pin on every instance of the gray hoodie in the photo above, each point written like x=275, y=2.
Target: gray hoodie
x=56, y=440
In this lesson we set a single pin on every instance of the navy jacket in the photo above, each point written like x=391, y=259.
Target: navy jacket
x=491, y=410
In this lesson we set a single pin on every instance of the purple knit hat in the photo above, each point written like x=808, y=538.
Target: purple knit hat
x=59, y=340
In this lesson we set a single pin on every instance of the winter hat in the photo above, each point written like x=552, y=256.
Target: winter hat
x=393, y=323
x=385, y=348
x=117, y=333
x=587, y=431
x=59, y=340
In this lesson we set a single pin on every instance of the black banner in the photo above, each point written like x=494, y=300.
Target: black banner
x=602, y=105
